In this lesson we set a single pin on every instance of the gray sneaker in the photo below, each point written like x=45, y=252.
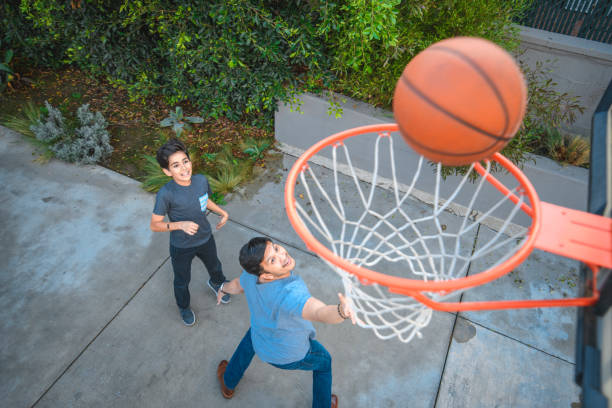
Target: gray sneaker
x=188, y=316
x=215, y=288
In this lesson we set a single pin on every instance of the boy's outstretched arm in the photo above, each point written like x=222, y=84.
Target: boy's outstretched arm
x=218, y=210
x=159, y=225
x=233, y=288
x=317, y=311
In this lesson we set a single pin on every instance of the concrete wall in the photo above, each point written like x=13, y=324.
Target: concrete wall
x=565, y=186
x=580, y=67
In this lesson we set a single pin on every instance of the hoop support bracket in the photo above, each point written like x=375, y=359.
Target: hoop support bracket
x=576, y=234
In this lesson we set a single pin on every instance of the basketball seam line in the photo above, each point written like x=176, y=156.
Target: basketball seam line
x=482, y=74
x=451, y=115
x=457, y=118
x=443, y=152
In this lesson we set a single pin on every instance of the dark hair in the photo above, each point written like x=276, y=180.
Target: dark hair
x=168, y=149
x=252, y=253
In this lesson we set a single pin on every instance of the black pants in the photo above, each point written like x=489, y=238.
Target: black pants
x=181, y=263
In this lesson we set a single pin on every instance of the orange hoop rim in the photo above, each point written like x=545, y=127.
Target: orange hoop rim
x=394, y=283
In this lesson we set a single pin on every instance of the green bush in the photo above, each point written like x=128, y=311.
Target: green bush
x=27, y=39
x=256, y=148
x=547, y=112
x=231, y=58
x=239, y=58
x=371, y=42
x=23, y=124
x=6, y=73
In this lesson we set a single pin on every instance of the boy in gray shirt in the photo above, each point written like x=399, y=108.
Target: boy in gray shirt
x=185, y=200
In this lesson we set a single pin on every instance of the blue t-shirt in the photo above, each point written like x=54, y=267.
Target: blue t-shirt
x=279, y=333
x=186, y=203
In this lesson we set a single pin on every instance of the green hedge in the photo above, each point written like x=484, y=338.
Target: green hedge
x=231, y=58
x=27, y=40
x=372, y=41
x=239, y=58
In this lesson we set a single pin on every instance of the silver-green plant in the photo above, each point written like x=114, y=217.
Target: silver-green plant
x=87, y=144
x=91, y=142
x=50, y=128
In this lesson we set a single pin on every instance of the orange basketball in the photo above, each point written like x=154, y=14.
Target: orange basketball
x=460, y=100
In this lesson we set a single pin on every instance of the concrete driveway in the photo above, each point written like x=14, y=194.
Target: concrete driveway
x=88, y=317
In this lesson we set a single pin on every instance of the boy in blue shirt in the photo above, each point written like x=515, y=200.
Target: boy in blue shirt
x=281, y=331
x=185, y=200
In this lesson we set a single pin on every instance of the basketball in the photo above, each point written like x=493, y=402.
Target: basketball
x=460, y=100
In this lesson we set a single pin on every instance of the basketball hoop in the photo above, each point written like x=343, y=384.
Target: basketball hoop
x=397, y=266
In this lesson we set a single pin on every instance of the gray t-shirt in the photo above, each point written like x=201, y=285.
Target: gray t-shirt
x=186, y=203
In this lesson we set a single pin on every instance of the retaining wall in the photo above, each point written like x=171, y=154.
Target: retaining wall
x=580, y=67
x=565, y=186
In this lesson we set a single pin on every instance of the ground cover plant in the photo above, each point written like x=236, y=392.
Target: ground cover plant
x=82, y=140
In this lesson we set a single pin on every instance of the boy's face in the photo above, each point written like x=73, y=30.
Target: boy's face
x=276, y=263
x=179, y=168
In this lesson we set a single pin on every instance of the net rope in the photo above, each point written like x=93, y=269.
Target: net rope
x=420, y=246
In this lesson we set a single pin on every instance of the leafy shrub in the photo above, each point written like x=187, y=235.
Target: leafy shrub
x=371, y=42
x=568, y=149
x=256, y=148
x=231, y=58
x=548, y=111
x=547, y=108
x=86, y=144
x=179, y=122
x=226, y=171
x=239, y=58
x=24, y=123
x=27, y=39
x=226, y=179
x=6, y=73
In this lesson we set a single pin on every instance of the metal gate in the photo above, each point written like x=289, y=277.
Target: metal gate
x=590, y=19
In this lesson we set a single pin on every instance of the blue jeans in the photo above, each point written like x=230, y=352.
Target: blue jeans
x=317, y=360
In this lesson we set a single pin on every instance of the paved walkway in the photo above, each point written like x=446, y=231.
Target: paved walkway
x=88, y=319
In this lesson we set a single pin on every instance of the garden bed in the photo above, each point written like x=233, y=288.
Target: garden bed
x=133, y=125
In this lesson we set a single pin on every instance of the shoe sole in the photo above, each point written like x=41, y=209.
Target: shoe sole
x=215, y=292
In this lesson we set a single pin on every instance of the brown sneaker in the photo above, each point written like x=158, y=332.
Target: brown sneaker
x=226, y=392
x=334, y=403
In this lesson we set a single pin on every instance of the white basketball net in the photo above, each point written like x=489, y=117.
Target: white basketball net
x=374, y=227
